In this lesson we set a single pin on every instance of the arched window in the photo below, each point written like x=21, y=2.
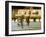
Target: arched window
x=25, y=13
x=29, y=12
x=37, y=13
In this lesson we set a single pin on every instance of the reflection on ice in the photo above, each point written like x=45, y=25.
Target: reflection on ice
x=17, y=26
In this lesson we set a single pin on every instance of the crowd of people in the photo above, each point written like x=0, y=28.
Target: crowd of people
x=20, y=19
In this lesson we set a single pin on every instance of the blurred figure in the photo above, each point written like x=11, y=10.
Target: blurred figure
x=28, y=17
x=22, y=17
x=19, y=21
x=27, y=20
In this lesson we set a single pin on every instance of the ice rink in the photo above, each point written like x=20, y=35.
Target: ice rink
x=32, y=26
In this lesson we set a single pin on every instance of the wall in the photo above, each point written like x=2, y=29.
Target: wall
x=2, y=19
